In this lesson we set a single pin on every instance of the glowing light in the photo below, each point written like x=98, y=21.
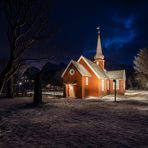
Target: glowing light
x=70, y=86
x=86, y=81
x=20, y=83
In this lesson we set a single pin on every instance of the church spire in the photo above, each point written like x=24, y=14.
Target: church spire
x=99, y=57
x=99, y=54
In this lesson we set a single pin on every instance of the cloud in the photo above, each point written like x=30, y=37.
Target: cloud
x=123, y=32
x=127, y=22
x=89, y=51
x=121, y=40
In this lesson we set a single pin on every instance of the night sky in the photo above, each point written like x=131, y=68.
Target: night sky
x=124, y=30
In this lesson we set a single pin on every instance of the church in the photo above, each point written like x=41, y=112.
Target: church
x=84, y=78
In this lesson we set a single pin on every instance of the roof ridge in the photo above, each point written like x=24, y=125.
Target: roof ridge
x=94, y=66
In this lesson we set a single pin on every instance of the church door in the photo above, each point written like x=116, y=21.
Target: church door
x=71, y=91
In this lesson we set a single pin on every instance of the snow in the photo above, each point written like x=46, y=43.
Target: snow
x=49, y=93
x=62, y=122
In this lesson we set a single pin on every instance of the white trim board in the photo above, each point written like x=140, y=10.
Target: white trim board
x=66, y=68
x=81, y=57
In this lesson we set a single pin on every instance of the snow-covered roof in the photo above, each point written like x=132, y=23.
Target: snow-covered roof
x=116, y=74
x=79, y=67
x=96, y=69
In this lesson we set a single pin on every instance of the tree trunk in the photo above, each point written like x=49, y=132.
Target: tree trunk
x=64, y=90
x=2, y=83
x=37, y=89
x=3, y=74
x=10, y=89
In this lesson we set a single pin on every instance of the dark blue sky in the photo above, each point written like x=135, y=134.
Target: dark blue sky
x=123, y=30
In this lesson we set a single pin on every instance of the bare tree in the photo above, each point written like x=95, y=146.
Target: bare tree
x=26, y=26
x=141, y=67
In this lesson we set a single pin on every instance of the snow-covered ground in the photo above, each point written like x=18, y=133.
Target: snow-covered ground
x=68, y=123
x=50, y=93
x=130, y=95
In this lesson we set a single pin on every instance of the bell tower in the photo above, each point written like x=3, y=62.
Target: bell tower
x=99, y=57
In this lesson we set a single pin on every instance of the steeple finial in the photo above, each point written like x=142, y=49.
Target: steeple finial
x=99, y=54
x=98, y=28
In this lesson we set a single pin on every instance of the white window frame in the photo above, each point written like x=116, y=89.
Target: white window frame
x=103, y=84
x=108, y=84
x=86, y=81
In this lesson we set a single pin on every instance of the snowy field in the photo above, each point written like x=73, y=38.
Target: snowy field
x=74, y=123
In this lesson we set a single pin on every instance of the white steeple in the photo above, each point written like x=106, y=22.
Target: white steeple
x=99, y=54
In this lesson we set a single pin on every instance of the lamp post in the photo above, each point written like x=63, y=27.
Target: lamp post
x=20, y=83
x=115, y=90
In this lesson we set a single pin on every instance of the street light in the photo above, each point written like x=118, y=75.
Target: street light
x=20, y=83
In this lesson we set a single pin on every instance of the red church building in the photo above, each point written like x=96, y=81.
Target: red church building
x=84, y=78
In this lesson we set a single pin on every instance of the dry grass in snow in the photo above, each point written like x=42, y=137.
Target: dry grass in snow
x=67, y=123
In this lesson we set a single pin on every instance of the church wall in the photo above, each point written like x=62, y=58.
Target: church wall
x=85, y=87
x=71, y=79
x=111, y=91
x=93, y=84
x=108, y=87
x=102, y=93
x=121, y=89
x=121, y=86
x=105, y=89
x=100, y=87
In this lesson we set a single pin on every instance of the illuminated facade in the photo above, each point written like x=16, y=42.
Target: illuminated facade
x=84, y=78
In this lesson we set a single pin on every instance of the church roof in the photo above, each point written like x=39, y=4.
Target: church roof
x=95, y=68
x=79, y=67
x=116, y=74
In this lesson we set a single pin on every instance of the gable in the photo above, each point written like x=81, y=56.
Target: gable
x=93, y=67
x=80, y=68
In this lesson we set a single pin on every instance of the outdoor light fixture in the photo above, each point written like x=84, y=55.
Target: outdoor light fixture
x=20, y=83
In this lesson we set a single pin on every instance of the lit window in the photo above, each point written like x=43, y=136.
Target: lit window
x=97, y=63
x=86, y=81
x=103, y=85
x=107, y=84
x=72, y=72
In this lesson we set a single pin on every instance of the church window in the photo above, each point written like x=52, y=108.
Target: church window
x=107, y=84
x=103, y=85
x=86, y=81
x=72, y=72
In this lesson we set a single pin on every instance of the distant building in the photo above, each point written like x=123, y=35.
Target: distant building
x=84, y=78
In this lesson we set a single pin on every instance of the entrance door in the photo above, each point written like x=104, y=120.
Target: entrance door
x=71, y=92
